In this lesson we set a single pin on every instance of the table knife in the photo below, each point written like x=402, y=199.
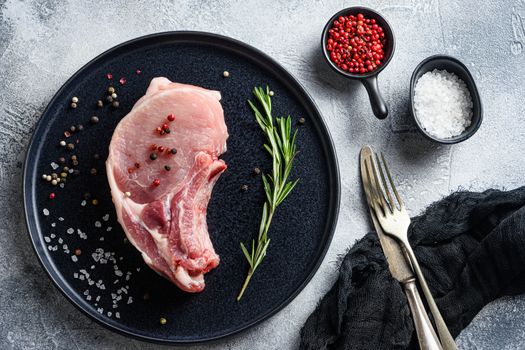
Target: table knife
x=402, y=272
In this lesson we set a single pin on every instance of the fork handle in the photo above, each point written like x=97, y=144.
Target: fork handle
x=426, y=335
x=447, y=341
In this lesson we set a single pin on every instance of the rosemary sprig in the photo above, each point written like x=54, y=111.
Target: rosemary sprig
x=281, y=147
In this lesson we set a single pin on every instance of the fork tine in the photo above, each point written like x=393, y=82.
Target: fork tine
x=392, y=182
x=377, y=187
x=385, y=186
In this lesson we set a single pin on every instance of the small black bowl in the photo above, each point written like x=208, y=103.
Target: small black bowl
x=369, y=80
x=451, y=65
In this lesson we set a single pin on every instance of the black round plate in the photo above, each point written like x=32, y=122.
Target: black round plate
x=300, y=234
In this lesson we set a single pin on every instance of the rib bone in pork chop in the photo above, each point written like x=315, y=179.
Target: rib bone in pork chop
x=162, y=166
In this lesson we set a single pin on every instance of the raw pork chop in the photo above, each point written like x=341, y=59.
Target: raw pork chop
x=161, y=203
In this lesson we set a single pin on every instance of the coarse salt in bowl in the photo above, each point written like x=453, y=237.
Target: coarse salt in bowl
x=445, y=102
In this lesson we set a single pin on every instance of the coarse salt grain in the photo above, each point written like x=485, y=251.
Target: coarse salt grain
x=442, y=103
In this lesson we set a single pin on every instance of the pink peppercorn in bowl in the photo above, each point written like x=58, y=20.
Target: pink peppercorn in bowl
x=358, y=43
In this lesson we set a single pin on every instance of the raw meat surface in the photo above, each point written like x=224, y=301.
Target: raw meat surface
x=167, y=222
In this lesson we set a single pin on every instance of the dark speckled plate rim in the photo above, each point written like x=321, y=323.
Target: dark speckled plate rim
x=29, y=179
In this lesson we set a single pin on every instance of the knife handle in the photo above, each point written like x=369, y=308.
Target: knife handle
x=426, y=335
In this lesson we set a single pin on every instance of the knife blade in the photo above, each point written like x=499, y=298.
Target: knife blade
x=397, y=264
x=400, y=268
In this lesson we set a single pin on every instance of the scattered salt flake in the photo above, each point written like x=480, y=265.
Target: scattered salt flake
x=54, y=165
x=100, y=310
x=83, y=203
x=92, y=267
x=138, y=269
x=98, y=298
x=117, y=314
x=109, y=228
x=74, y=258
x=86, y=292
x=47, y=239
x=130, y=300
x=81, y=277
x=45, y=211
x=109, y=314
x=118, y=273
x=88, y=298
x=53, y=224
x=61, y=185
x=75, y=275
x=101, y=239
x=98, y=224
x=60, y=219
x=105, y=217
x=52, y=235
x=60, y=241
x=70, y=230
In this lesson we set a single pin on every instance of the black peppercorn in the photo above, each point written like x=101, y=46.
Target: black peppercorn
x=93, y=171
x=61, y=160
x=94, y=119
x=153, y=156
x=115, y=104
x=100, y=104
x=173, y=151
x=70, y=146
x=167, y=167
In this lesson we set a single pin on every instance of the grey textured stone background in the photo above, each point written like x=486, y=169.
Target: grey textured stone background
x=43, y=42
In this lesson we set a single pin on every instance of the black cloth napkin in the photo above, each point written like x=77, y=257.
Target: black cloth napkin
x=471, y=248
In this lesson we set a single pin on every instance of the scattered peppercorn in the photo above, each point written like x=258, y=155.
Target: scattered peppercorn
x=256, y=171
x=138, y=71
x=226, y=74
x=111, y=89
x=114, y=95
x=48, y=178
x=167, y=130
x=96, y=156
x=61, y=160
x=156, y=182
x=78, y=252
x=72, y=128
x=70, y=146
x=171, y=117
x=94, y=119
x=67, y=134
x=244, y=188
x=54, y=175
x=80, y=127
x=302, y=121
x=109, y=98
x=109, y=76
x=137, y=165
x=153, y=156
x=73, y=105
x=163, y=320
x=52, y=195
x=75, y=162
x=76, y=172
x=167, y=167
x=63, y=174
x=94, y=202
x=87, y=196
x=63, y=143
x=115, y=104
x=54, y=182
x=66, y=169
x=122, y=81
x=100, y=104
x=161, y=149
x=74, y=99
x=145, y=296
x=271, y=93
x=173, y=151
x=74, y=157
x=93, y=171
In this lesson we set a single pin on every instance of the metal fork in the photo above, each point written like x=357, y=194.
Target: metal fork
x=394, y=220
